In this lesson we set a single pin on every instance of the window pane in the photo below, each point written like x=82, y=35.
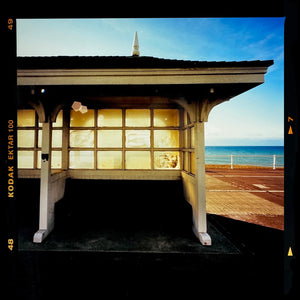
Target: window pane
x=186, y=161
x=26, y=138
x=82, y=138
x=166, y=138
x=109, y=117
x=137, y=138
x=25, y=159
x=166, y=160
x=192, y=137
x=166, y=117
x=25, y=117
x=138, y=160
x=110, y=138
x=109, y=160
x=56, y=138
x=55, y=159
x=77, y=119
x=81, y=160
x=59, y=120
x=193, y=163
x=138, y=117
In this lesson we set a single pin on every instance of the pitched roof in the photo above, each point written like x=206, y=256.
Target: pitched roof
x=128, y=62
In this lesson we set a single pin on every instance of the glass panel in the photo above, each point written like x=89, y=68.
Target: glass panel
x=186, y=161
x=138, y=117
x=166, y=117
x=109, y=160
x=81, y=160
x=82, y=138
x=110, y=117
x=56, y=138
x=77, y=119
x=193, y=163
x=59, y=120
x=25, y=138
x=166, y=138
x=25, y=159
x=138, y=160
x=25, y=117
x=166, y=160
x=55, y=159
x=138, y=138
x=110, y=138
x=192, y=137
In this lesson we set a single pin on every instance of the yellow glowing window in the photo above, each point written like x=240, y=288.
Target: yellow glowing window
x=81, y=160
x=186, y=161
x=193, y=163
x=138, y=160
x=137, y=138
x=110, y=138
x=77, y=119
x=166, y=160
x=26, y=118
x=137, y=118
x=166, y=117
x=193, y=137
x=56, y=138
x=109, y=117
x=55, y=159
x=109, y=160
x=166, y=138
x=82, y=138
x=25, y=159
x=25, y=138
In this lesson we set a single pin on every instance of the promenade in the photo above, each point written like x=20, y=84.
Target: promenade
x=254, y=195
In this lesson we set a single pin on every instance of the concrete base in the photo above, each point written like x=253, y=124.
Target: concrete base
x=204, y=237
x=40, y=235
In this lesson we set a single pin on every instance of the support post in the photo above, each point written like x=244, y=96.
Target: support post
x=199, y=209
x=46, y=218
x=274, y=162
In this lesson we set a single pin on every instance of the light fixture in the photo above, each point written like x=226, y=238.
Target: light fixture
x=43, y=91
x=77, y=106
x=212, y=90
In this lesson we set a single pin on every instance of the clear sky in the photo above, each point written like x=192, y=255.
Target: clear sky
x=253, y=118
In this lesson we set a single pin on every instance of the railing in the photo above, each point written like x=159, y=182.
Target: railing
x=273, y=161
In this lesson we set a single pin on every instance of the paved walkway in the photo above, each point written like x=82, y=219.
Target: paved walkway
x=251, y=195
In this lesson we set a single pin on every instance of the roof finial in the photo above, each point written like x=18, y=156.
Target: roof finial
x=135, y=46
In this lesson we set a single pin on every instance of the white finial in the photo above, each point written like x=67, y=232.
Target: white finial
x=135, y=46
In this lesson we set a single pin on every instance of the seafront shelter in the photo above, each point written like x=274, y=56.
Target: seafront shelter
x=121, y=118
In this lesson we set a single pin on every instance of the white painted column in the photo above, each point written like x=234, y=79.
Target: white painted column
x=46, y=221
x=199, y=209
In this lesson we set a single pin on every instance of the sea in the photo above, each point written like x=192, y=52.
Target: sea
x=245, y=155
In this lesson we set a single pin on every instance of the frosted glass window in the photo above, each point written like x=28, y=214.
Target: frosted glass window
x=193, y=163
x=55, y=159
x=56, y=138
x=186, y=161
x=82, y=138
x=81, y=160
x=25, y=117
x=166, y=160
x=166, y=138
x=137, y=138
x=109, y=117
x=193, y=137
x=77, y=119
x=59, y=120
x=25, y=159
x=137, y=117
x=138, y=160
x=25, y=138
x=109, y=160
x=166, y=117
x=110, y=138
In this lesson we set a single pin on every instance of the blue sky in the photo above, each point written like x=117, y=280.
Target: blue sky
x=253, y=118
